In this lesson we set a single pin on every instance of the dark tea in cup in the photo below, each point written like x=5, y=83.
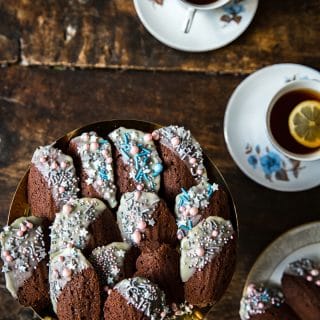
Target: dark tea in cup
x=280, y=114
x=293, y=120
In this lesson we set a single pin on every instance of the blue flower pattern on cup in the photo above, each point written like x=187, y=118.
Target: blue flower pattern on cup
x=272, y=164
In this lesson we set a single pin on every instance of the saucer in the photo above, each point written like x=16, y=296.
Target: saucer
x=210, y=30
x=245, y=131
x=295, y=244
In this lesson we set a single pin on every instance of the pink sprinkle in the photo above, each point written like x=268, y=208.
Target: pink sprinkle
x=185, y=213
x=260, y=305
x=193, y=160
x=250, y=288
x=6, y=253
x=137, y=195
x=61, y=258
x=314, y=272
x=318, y=283
x=214, y=233
x=104, y=152
x=194, y=211
x=309, y=278
x=20, y=233
x=99, y=182
x=175, y=141
x=63, y=164
x=67, y=208
x=155, y=135
x=136, y=237
x=54, y=165
x=182, y=209
x=23, y=228
x=61, y=189
x=199, y=172
x=139, y=187
x=134, y=150
x=142, y=225
x=66, y=273
x=174, y=307
x=147, y=137
x=109, y=160
x=29, y=225
x=109, y=292
x=85, y=137
x=9, y=258
x=179, y=236
x=200, y=252
x=94, y=146
x=43, y=159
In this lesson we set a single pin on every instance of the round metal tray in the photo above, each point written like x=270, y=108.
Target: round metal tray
x=20, y=207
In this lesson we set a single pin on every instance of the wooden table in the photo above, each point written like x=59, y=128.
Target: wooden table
x=112, y=68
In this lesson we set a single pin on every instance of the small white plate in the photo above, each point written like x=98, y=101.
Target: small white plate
x=295, y=244
x=210, y=30
x=245, y=131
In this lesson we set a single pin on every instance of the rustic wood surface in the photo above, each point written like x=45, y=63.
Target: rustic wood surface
x=39, y=103
x=107, y=33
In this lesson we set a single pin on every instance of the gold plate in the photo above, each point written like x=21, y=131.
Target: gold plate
x=19, y=205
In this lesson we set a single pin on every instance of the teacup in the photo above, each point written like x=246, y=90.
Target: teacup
x=194, y=5
x=277, y=118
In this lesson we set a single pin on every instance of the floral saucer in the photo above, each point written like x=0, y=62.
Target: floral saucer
x=245, y=131
x=210, y=30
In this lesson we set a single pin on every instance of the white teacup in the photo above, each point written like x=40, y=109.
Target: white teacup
x=192, y=9
x=294, y=86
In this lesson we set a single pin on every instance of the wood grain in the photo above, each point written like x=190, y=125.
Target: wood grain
x=38, y=105
x=108, y=34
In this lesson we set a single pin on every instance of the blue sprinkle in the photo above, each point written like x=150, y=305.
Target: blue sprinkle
x=103, y=174
x=210, y=190
x=157, y=169
x=185, y=194
x=103, y=141
x=147, y=151
x=184, y=228
x=189, y=224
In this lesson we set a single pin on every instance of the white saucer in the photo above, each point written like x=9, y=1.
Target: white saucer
x=297, y=243
x=210, y=29
x=245, y=131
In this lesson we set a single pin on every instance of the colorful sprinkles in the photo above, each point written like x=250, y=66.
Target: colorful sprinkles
x=108, y=262
x=144, y=296
x=258, y=299
x=307, y=269
x=135, y=214
x=62, y=267
x=202, y=244
x=189, y=205
x=139, y=152
x=70, y=228
x=22, y=249
x=59, y=172
x=186, y=146
x=96, y=160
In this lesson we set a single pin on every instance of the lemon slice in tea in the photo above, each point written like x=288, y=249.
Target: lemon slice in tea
x=304, y=123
